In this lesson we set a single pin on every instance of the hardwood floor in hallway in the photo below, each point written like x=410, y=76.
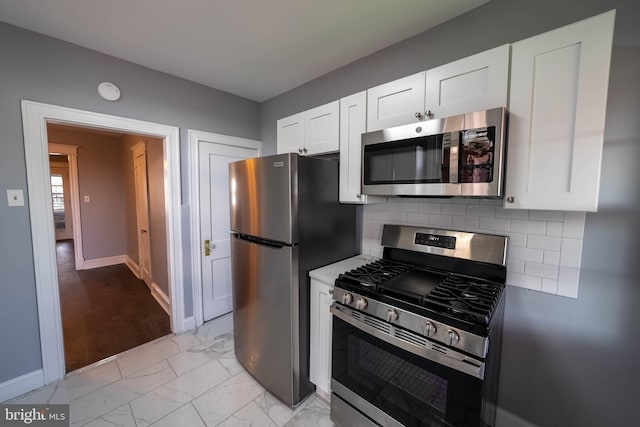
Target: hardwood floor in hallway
x=105, y=311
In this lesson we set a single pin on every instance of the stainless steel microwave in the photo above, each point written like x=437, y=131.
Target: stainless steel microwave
x=455, y=156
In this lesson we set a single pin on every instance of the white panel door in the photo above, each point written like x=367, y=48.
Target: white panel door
x=290, y=138
x=353, y=123
x=321, y=298
x=322, y=129
x=215, y=252
x=395, y=103
x=557, y=103
x=474, y=83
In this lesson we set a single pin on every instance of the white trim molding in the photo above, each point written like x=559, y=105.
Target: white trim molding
x=195, y=139
x=20, y=385
x=102, y=262
x=162, y=298
x=35, y=117
x=133, y=266
x=71, y=151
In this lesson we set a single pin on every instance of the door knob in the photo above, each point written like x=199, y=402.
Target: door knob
x=419, y=115
x=429, y=114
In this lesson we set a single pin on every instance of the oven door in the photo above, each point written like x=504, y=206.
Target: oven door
x=377, y=383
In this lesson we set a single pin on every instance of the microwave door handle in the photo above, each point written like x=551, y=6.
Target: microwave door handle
x=453, y=157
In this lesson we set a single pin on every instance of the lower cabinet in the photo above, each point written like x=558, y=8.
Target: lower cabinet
x=320, y=337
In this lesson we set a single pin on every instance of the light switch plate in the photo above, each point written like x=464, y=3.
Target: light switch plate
x=15, y=197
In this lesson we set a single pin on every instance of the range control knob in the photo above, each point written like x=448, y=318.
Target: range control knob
x=392, y=315
x=361, y=303
x=452, y=337
x=347, y=298
x=430, y=329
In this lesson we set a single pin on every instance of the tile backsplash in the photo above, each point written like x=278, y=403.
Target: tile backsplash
x=545, y=247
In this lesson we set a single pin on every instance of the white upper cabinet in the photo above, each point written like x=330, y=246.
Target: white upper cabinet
x=353, y=123
x=290, y=133
x=475, y=83
x=315, y=131
x=557, y=105
x=395, y=103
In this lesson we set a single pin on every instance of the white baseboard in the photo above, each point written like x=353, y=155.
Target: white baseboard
x=161, y=297
x=21, y=385
x=505, y=418
x=102, y=262
x=189, y=324
x=133, y=266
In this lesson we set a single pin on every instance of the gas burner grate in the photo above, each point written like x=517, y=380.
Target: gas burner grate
x=466, y=298
x=375, y=273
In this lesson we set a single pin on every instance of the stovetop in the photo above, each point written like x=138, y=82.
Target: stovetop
x=467, y=299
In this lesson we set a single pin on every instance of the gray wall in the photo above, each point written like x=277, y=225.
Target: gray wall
x=100, y=176
x=43, y=69
x=565, y=362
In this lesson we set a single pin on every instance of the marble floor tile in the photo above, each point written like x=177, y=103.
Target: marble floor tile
x=186, y=416
x=165, y=399
x=230, y=363
x=276, y=410
x=313, y=414
x=249, y=415
x=74, y=385
x=154, y=352
x=119, y=417
x=225, y=399
x=216, y=327
x=106, y=399
x=190, y=380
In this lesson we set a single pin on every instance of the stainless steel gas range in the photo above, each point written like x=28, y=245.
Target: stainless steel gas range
x=417, y=334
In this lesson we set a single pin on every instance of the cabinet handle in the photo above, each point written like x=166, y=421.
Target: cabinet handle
x=419, y=115
x=358, y=195
x=300, y=150
x=511, y=199
x=330, y=291
x=304, y=150
x=429, y=114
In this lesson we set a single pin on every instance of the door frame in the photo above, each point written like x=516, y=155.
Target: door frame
x=196, y=138
x=71, y=151
x=63, y=169
x=35, y=117
x=140, y=149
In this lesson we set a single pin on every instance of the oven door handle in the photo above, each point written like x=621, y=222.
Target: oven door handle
x=452, y=359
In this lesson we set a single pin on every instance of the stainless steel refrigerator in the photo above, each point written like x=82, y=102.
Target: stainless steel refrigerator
x=285, y=221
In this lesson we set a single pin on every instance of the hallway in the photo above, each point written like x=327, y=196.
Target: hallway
x=105, y=311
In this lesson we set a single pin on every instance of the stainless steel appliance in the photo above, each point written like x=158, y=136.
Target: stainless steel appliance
x=417, y=334
x=456, y=156
x=285, y=221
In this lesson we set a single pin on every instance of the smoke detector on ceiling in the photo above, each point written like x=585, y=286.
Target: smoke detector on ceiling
x=109, y=91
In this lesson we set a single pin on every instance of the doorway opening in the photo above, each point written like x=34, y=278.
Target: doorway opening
x=105, y=306
x=36, y=117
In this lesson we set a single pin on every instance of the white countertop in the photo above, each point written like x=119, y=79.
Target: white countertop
x=329, y=273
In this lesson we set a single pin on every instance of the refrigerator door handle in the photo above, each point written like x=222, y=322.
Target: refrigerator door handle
x=261, y=242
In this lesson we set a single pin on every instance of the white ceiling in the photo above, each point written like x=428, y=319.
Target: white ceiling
x=253, y=48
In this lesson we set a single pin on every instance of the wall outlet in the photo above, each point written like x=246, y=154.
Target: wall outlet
x=15, y=197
